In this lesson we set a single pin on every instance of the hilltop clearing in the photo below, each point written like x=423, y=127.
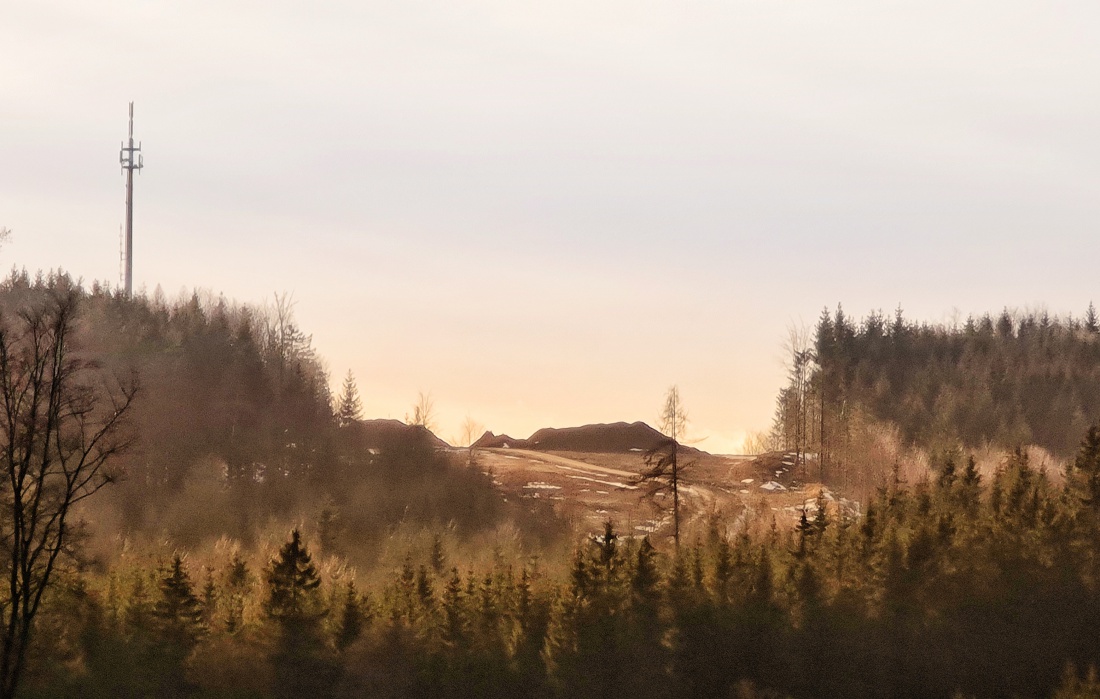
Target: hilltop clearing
x=592, y=488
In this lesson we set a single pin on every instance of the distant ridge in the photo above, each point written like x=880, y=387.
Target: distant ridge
x=615, y=437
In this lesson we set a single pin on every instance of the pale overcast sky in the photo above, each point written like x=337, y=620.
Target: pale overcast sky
x=547, y=213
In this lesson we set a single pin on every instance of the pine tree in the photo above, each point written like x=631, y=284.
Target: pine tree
x=439, y=555
x=646, y=577
x=238, y=581
x=352, y=618
x=178, y=619
x=301, y=661
x=292, y=585
x=1084, y=472
x=178, y=611
x=209, y=598
x=349, y=410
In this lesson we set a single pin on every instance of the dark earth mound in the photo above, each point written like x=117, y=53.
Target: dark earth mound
x=387, y=434
x=503, y=441
x=613, y=438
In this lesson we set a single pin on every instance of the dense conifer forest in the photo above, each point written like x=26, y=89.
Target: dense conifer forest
x=249, y=543
x=1017, y=378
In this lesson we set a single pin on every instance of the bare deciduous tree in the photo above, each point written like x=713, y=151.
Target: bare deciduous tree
x=759, y=443
x=61, y=425
x=423, y=413
x=471, y=430
x=674, y=419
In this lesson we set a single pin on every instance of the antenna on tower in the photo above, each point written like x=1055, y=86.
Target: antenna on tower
x=129, y=163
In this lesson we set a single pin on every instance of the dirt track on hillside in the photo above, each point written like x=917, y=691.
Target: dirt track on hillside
x=597, y=492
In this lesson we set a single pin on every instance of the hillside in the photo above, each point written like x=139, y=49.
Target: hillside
x=235, y=432
x=260, y=542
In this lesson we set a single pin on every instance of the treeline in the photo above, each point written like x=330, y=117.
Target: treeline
x=948, y=587
x=235, y=432
x=1009, y=380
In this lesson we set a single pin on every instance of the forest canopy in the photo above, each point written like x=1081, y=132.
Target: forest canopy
x=1007, y=380
x=257, y=540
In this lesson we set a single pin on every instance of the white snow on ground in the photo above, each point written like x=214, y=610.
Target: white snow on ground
x=613, y=484
x=539, y=485
x=772, y=486
x=747, y=481
x=744, y=492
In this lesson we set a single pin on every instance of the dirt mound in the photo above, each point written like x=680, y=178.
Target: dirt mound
x=389, y=434
x=503, y=441
x=616, y=437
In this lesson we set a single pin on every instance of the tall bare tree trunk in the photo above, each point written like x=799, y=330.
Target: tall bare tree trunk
x=58, y=431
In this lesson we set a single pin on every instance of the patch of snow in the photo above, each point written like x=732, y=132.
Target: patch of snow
x=613, y=484
x=636, y=449
x=744, y=492
x=772, y=486
x=747, y=481
x=539, y=485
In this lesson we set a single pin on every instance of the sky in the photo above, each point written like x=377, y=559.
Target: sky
x=545, y=214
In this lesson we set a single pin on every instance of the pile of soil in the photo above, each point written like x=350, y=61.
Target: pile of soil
x=389, y=434
x=614, y=438
x=503, y=441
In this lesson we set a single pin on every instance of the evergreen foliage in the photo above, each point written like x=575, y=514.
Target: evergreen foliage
x=348, y=408
x=301, y=661
x=953, y=586
x=1019, y=378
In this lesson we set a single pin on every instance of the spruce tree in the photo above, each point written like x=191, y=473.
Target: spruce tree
x=238, y=581
x=352, y=618
x=292, y=585
x=178, y=612
x=349, y=409
x=301, y=660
